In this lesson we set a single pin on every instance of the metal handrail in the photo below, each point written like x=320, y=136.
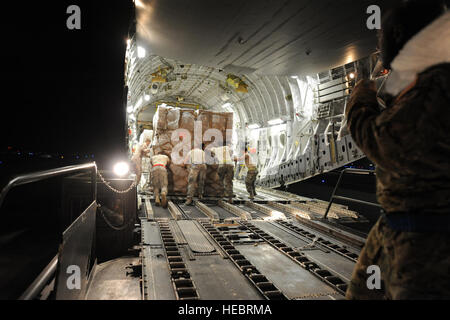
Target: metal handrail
x=334, y=196
x=38, y=284
x=47, y=174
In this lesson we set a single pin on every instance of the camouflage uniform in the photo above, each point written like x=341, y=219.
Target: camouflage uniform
x=413, y=265
x=222, y=156
x=196, y=179
x=159, y=178
x=136, y=160
x=250, y=179
x=226, y=173
x=160, y=182
x=410, y=144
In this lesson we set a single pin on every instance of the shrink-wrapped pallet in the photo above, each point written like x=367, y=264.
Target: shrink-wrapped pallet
x=163, y=143
x=187, y=120
x=220, y=121
x=165, y=122
x=178, y=179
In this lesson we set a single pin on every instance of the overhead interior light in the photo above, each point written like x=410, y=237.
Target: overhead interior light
x=147, y=97
x=226, y=105
x=141, y=52
x=275, y=122
x=294, y=77
x=351, y=75
x=224, y=97
x=128, y=42
x=130, y=109
x=138, y=104
x=139, y=4
x=254, y=126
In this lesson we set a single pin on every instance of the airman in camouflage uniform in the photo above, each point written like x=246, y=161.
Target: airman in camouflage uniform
x=252, y=174
x=222, y=156
x=160, y=179
x=195, y=160
x=410, y=144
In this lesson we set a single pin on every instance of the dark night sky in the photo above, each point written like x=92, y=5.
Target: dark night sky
x=64, y=88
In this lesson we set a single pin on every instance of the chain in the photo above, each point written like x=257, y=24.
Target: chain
x=123, y=227
x=115, y=190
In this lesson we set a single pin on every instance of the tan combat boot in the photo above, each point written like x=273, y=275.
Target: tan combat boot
x=188, y=202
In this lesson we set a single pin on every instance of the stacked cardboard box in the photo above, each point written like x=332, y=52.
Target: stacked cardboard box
x=166, y=121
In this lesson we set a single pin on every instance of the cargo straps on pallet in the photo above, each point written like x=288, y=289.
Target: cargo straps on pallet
x=267, y=289
x=323, y=274
x=182, y=283
x=325, y=243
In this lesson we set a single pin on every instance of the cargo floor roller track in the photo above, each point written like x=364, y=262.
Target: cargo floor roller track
x=219, y=251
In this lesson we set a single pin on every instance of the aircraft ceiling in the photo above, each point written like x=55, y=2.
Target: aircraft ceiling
x=271, y=37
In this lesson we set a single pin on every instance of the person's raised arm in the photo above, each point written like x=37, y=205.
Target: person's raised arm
x=406, y=130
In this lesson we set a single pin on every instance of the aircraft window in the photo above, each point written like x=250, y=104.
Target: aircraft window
x=283, y=139
x=343, y=148
x=349, y=145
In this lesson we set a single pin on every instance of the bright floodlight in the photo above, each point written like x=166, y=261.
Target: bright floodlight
x=352, y=75
x=121, y=169
x=277, y=215
x=141, y=52
x=147, y=97
x=275, y=122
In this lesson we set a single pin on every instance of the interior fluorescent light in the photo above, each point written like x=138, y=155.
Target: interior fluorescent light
x=141, y=52
x=254, y=126
x=147, y=97
x=275, y=122
x=294, y=77
x=138, y=104
x=130, y=109
x=226, y=105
